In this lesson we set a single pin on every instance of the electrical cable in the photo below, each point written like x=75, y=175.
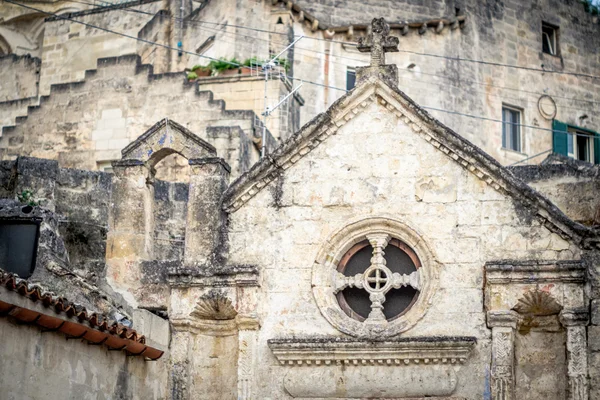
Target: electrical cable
x=314, y=83
x=296, y=48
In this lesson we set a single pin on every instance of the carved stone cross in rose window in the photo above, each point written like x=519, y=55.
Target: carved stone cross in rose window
x=378, y=279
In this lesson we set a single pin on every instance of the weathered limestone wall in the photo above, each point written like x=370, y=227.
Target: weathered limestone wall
x=457, y=86
x=463, y=87
x=82, y=45
x=37, y=365
x=398, y=175
x=243, y=92
x=572, y=187
x=19, y=77
x=86, y=124
x=81, y=201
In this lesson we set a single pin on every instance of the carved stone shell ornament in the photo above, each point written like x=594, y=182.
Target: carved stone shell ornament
x=538, y=303
x=214, y=306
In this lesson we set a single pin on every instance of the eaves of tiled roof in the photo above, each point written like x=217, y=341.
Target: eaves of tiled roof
x=437, y=24
x=31, y=304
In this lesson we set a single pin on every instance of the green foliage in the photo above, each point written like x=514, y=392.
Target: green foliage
x=26, y=197
x=191, y=76
x=283, y=62
x=201, y=68
x=223, y=64
x=253, y=62
x=591, y=6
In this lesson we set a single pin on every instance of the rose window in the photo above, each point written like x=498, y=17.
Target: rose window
x=378, y=279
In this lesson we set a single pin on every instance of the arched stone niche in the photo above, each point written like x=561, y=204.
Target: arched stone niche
x=533, y=307
x=163, y=139
x=132, y=250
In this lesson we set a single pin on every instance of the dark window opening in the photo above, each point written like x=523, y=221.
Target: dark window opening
x=279, y=21
x=350, y=79
x=580, y=146
x=18, y=246
x=549, y=39
x=399, y=258
x=511, y=128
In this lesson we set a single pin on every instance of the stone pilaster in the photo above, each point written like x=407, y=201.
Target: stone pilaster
x=503, y=325
x=131, y=224
x=575, y=321
x=248, y=339
x=204, y=236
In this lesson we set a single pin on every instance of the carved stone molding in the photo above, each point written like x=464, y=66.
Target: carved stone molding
x=217, y=306
x=537, y=303
x=401, y=352
x=211, y=276
x=535, y=272
x=325, y=284
x=412, y=382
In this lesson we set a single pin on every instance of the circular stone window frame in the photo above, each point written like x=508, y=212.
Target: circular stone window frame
x=325, y=270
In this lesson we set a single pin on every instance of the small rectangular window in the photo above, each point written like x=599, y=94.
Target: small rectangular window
x=549, y=39
x=511, y=128
x=105, y=166
x=580, y=145
x=350, y=78
x=18, y=246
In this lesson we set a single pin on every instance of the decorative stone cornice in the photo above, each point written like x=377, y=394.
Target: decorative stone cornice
x=386, y=93
x=503, y=318
x=503, y=272
x=216, y=327
x=207, y=276
x=575, y=317
x=436, y=24
x=340, y=351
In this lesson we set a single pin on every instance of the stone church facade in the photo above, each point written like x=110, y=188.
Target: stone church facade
x=374, y=254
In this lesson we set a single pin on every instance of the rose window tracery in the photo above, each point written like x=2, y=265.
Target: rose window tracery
x=377, y=279
x=374, y=277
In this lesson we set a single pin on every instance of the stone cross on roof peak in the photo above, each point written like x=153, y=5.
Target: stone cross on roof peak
x=378, y=42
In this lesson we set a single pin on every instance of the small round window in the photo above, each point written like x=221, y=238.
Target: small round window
x=378, y=279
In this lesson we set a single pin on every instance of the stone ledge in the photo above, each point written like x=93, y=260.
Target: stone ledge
x=403, y=351
x=501, y=272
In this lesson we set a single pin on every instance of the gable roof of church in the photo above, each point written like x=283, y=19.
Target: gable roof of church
x=472, y=158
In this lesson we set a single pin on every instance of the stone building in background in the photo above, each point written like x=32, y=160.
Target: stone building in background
x=521, y=114
x=375, y=253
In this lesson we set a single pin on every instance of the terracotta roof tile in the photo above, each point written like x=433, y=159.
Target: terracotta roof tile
x=93, y=327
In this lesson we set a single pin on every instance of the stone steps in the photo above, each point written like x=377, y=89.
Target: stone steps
x=115, y=103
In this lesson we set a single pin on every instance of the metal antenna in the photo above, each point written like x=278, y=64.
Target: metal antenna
x=268, y=110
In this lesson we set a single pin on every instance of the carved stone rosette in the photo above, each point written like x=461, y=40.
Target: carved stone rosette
x=377, y=279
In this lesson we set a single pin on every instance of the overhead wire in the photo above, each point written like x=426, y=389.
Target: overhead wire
x=461, y=59
x=408, y=70
x=158, y=44
x=296, y=48
x=238, y=65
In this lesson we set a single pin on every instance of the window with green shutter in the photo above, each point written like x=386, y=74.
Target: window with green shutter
x=575, y=142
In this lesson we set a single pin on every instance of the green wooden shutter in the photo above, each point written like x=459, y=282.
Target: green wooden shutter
x=560, y=138
x=596, y=148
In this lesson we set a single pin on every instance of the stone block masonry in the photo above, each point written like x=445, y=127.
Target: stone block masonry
x=19, y=77
x=87, y=124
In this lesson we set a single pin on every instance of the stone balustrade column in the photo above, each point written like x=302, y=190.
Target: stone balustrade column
x=575, y=321
x=203, y=236
x=503, y=325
